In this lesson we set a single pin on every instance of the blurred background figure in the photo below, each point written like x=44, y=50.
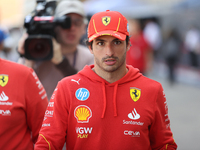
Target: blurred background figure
x=140, y=54
x=192, y=45
x=2, y=38
x=152, y=33
x=8, y=47
x=69, y=56
x=172, y=50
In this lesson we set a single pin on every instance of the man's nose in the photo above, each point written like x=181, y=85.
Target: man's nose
x=73, y=26
x=109, y=50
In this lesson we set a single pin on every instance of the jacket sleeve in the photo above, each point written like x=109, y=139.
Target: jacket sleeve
x=161, y=136
x=53, y=132
x=36, y=103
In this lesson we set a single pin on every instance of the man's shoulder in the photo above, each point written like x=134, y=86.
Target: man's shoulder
x=70, y=80
x=7, y=64
x=14, y=69
x=150, y=83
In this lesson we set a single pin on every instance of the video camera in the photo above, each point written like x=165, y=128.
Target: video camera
x=40, y=28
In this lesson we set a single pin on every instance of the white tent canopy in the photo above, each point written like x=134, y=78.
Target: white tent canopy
x=129, y=8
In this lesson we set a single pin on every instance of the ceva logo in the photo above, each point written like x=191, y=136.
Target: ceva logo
x=82, y=94
x=5, y=112
x=132, y=133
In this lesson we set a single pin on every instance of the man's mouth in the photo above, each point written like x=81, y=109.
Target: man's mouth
x=110, y=61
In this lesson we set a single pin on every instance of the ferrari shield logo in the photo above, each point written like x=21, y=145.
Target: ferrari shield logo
x=135, y=93
x=106, y=20
x=3, y=80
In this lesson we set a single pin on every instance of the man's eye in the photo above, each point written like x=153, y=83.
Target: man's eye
x=100, y=43
x=117, y=42
x=77, y=22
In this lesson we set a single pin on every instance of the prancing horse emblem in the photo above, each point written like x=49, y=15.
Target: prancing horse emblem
x=106, y=20
x=135, y=93
x=3, y=79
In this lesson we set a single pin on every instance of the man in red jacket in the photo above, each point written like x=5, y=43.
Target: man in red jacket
x=23, y=102
x=108, y=105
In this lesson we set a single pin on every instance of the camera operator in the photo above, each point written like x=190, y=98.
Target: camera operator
x=69, y=56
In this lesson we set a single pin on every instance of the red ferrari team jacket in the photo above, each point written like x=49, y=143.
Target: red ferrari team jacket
x=23, y=102
x=88, y=113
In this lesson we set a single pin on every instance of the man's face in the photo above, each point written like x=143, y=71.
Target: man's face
x=73, y=35
x=109, y=53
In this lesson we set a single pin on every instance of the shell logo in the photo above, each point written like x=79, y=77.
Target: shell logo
x=82, y=113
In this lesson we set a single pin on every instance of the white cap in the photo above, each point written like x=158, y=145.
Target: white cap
x=69, y=6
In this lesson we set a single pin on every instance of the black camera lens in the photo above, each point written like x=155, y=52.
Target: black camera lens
x=38, y=48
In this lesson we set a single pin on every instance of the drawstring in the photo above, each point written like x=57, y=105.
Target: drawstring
x=104, y=99
x=115, y=100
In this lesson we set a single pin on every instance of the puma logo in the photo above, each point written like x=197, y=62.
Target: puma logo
x=76, y=81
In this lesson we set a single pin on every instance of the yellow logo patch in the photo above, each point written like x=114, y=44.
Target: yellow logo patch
x=3, y=80
x=106, y=20
x=82, y=113
x=135, y=93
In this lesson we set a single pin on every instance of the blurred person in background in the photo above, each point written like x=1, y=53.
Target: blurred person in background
x=23, y=102
x=192, y=45
x=140, y=54
x=69, y=56
x=2, y=38
x=153, y=35
x=172, y=50
x=8, y=50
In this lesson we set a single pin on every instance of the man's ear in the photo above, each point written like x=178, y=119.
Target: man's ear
x=90, y=48
x=129, y=45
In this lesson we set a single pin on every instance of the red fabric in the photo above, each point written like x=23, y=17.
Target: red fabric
x=23, y=102
x=108, y=23
x=74, y=114
x=136, y=54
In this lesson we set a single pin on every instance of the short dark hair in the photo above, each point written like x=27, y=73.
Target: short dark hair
x=90, y=43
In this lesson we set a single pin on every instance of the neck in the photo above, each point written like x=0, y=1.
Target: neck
x=111, y=76
x=68, y=49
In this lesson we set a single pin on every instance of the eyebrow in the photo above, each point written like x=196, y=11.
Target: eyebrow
x=99, y=40
x=102, y=40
